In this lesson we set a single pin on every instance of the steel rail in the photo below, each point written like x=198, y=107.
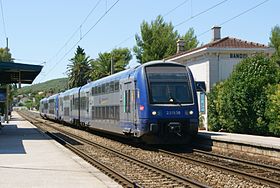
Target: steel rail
x=183, y=180
x=246, y=175
x=124, y=181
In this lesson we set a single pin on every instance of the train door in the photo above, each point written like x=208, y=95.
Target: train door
x=87, y=111
x=129, y=101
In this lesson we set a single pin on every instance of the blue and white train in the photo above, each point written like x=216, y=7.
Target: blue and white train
x=155, y=103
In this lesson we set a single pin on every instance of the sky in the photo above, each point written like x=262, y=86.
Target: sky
x=48, y=32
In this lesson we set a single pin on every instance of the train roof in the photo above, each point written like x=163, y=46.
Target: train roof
x=162, y=62
x=125, y=73
x=53, y=96
x=119, y=75
x=43, y=99
x=70, y=91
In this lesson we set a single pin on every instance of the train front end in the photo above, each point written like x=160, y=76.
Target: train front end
x=168, y=110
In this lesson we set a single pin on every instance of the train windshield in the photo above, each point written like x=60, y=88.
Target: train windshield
x=169, y=84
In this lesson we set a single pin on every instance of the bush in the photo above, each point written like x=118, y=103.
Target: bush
x=239, y=104
x=214, y=108
x=272, y=112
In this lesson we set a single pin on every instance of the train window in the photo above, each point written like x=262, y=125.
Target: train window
x=66, y=111
x=169, y=84
x=83, y=105
x=127, y=99
x=98, y=112
x=106, y=112
x=111, y=87
x=95, y=90
x=103, y=112
x=117, y=112
x=103, y=89
x=92, y=112
x=111, y=112
x=92, y=91
x=76, y=103
x=61, y=104
x=107, y=88
x=117, y=86
x=99, y=90
x=46, y=106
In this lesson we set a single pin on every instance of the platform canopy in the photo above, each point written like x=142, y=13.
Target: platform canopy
x=18, y=72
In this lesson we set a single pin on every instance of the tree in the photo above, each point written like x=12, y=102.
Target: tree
x=273, y=109
x=5, y=55
x=275, y=42
x=242, y=101
x=158, y=40
x=190, y=40
x=101, y=66
x=79, y=69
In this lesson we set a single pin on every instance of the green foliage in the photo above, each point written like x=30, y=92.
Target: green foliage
x=48, y=87
x=79, y=69
x=215, y=118
x=239, y=104
x=38, y=91
x=5, y=55
x=272, y=111
x=275, y=42
x=158, y=40
x=190, y=40
x=101, y=66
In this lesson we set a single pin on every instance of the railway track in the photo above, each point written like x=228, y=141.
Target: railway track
x=131, y=173
x=264, y=174
x=176, y=163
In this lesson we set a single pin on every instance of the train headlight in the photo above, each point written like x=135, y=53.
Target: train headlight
x=154, y=113
x=191, y=112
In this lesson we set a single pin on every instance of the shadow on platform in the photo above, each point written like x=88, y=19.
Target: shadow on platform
x=12, y=137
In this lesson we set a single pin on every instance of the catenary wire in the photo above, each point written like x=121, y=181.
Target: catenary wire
x=74, y=33
x=200, y=13
x=81, y=38
x=3, y=19
x=234, y=17
x=164, y=15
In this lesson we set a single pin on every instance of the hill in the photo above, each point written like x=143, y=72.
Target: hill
x=51, y=86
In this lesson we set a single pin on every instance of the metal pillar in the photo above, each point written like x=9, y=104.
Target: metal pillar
x=7, y=103
x=19, y=79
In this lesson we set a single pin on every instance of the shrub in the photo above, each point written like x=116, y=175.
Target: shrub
x=239, y=104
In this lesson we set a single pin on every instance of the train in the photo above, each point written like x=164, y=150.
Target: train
x=155, y=103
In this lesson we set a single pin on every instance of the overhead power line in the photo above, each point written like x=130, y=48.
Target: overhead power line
x=75, y=32
x=3, y=19
x=244, y=12
x=164, y=15
x=200, y=13
x=236, y=16
x=82, y=37
x=192, y=17
x=172, y=10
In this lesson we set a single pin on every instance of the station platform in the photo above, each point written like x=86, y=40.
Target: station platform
x=258, y=141
x=262, y=147
x=29, y=158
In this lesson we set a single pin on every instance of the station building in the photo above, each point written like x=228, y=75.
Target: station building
x=11, y=72
x=214, y=62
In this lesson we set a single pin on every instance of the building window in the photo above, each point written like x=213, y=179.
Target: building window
x=238, y=56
